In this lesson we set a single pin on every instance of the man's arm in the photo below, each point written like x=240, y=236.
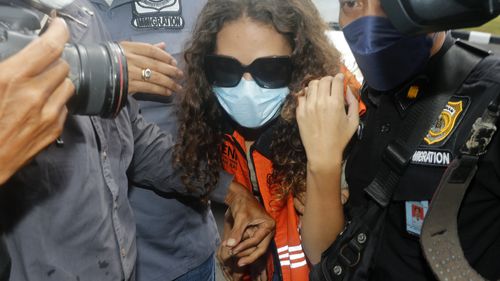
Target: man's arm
x=34, y=89
x=152, y=161
x=151, y=165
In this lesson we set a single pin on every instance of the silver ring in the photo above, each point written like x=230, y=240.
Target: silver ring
x=146, y=74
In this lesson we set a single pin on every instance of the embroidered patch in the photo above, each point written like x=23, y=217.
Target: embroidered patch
x=156, y=14
x=446, y=122
x=438, y=158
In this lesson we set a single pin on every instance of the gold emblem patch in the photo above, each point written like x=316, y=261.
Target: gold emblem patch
x=443, y=127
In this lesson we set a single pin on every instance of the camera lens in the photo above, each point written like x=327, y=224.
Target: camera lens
x=99, y=72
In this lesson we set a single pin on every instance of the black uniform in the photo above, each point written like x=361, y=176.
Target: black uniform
x=4, y=261
x=400, y=257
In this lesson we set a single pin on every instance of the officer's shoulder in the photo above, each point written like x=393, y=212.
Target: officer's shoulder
x=489, y=67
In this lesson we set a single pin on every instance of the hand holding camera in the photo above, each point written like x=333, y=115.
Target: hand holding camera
x=98, y=71
x=34, y=89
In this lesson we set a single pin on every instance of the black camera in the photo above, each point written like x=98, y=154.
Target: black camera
x=98, y=71
x=425, y=16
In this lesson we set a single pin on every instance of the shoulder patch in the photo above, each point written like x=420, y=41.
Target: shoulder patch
x=435, y=158
x=157, y=14
x=448, y=120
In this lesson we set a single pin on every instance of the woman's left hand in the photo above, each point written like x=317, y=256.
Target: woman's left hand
x=325, y=129
x=325, y=126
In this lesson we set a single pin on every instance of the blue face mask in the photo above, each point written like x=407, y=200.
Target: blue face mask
x=386, y=57
x=250, y=105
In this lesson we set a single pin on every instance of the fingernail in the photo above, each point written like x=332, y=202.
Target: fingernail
x=180, y=73
x=240, y=264
x=174, y=62
x=231, y=242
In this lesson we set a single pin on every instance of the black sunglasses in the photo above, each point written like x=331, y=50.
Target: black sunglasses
x=268, y=72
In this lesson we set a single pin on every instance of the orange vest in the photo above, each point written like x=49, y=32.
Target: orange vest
x=256, y=168
x=351, y=81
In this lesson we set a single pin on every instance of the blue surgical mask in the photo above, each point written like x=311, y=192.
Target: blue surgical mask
x=386, y=57
x=250, y=105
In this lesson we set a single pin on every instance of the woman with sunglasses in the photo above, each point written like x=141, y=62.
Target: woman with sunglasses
x=245, y=63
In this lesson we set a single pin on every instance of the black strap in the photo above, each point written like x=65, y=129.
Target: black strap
x=440, y=241
x=446, y=79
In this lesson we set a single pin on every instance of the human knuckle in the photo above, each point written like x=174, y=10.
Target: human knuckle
x=57, y=130
x=157, y=67
x=34, y=96
x=326, y=79
x=50, y=115
x=51, y=46
x=272, y=223
x=221, y=257
x=70, y=85
x=133, y=62
x=259, y=251
x=124, y=44
x=338, y=79
x=166, y=81
x=52, y=131
x=171, y=73
x=313, y=83
x=150, y=50
x=64, y=65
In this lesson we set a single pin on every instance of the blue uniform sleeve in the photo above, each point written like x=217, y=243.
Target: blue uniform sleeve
x=152, y=166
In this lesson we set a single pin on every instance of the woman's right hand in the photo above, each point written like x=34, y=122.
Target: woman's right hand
x=228, y=262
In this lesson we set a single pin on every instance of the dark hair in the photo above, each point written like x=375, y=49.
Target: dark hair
x=200, y=132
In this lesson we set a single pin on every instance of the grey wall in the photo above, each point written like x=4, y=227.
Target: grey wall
x=329, y=9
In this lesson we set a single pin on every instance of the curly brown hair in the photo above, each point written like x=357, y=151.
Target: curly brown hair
x=200, y=116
